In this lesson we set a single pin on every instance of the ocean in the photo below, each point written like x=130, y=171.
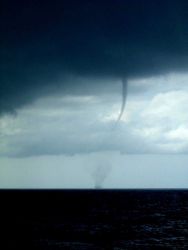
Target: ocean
x=94, y=219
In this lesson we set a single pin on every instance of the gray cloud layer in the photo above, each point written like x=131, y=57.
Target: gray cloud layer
x=154, y=122
x=44, y=43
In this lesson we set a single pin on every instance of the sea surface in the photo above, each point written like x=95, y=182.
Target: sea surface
x=94, y=219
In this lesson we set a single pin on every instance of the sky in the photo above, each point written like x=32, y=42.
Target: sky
x=62, y=68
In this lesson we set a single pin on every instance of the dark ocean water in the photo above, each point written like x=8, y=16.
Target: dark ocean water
x=94, y=219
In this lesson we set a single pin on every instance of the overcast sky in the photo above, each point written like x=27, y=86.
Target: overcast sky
x=62, y=67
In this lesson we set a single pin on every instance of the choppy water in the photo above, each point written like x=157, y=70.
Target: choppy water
x=108, y=219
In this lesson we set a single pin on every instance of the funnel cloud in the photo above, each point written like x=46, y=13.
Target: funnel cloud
x=124, y=98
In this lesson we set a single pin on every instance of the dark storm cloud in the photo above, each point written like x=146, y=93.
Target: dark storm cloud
x=44, y=40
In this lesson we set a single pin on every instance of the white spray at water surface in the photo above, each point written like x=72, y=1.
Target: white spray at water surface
x=99, y=173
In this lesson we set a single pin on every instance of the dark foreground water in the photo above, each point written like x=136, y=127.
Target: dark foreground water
x=86, y=219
